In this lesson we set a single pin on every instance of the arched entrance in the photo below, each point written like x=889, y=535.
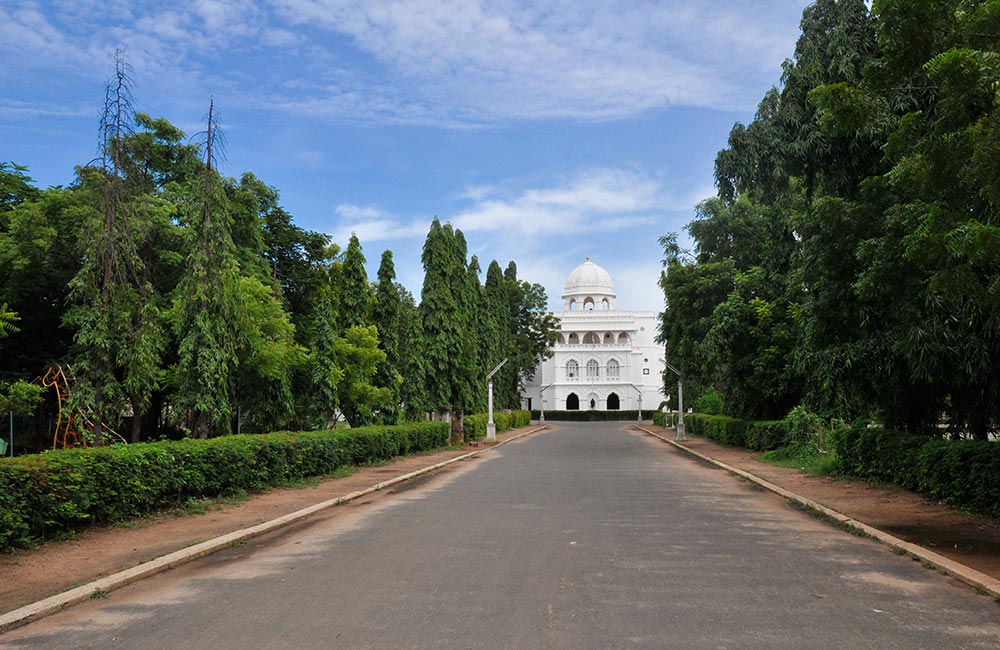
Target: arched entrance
x=613, y=402
x=572, y=402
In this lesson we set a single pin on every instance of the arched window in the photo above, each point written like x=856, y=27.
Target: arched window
x=572, y=369
x=605, y=305
x=609, y=338
x=588, y=304
x=593, y=368
x=591, y=338
x=560, y=339
x=614, y=403
x=574, y=338
x=572, y=402
x=572, y=305
x=614, y=369
x=623, y=339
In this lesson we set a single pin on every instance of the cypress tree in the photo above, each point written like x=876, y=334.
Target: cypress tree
x=119, y=335
x=412, y=366
x=386, y=312
x=356, y=294
x=204, y=310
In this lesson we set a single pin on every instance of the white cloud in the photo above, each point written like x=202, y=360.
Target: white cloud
x=454, y=63
x=372, y=224
x=607, y=199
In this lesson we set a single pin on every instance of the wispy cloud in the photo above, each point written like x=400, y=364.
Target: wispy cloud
x=454, y=63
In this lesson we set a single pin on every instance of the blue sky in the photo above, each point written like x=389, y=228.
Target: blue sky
x=545, y=131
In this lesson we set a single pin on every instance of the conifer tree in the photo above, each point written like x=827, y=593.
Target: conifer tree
x=356, y=294
x=495, y=329
x=386, y=314
x=204, y=310
x=326, y=374
x=118, y=329
x=412, y=366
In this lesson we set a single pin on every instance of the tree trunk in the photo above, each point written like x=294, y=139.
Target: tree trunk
x=457, y=431
x=136, y=434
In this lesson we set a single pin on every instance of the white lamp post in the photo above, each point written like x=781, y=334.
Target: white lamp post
x=541, y=403
x=491, y=427
x=680, y=402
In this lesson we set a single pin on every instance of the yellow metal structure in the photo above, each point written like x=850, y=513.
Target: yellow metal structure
x=71, y=426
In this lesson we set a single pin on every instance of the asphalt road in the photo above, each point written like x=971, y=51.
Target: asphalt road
x=585, y=536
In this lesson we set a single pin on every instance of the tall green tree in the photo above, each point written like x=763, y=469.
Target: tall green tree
x=412, y=354
x=356, y=294
x=116, y=316
x=205, y=307
x=386, y=312
x=443, y=320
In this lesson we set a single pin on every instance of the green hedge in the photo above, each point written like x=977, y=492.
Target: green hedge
x=664, y=419
x=60, y=491
x=589, y=416
x=963, y=473
x=761, y=435
x=475, y=425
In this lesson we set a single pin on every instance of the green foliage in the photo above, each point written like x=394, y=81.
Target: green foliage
x=358, y=358
x=964, y=473
x=7, y=320
x=442, y=319
x=721, y=428
x=21, y=397
x=710, y=402
x=356, y=293
x=15, y=185
x=851, y=260
x=386, y=312
x=475, y=425
x=664, y=419
x=49, y=494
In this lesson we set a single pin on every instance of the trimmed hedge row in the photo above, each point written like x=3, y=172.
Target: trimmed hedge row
x=963, y=473
x=475, y=425
x=58, y=491
x=760, y=435
x=664, y=419
x=588, y=416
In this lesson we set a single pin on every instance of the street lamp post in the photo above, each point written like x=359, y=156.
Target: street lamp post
x=680, y=402
x=541, y=402
x=639, y=391
x=491, y=427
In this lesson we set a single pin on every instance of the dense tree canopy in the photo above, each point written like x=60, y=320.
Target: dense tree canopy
x=852, y=258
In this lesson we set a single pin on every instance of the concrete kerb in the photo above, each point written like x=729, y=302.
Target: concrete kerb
x=968, y=575
x=24, y=615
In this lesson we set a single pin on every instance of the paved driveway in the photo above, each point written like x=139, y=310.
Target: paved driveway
x=585, y=536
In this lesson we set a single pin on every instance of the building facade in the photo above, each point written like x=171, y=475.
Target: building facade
x=604, y=358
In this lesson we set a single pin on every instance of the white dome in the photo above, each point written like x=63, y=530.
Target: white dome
x=589, y=279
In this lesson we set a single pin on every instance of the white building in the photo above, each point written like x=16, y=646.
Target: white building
x=603, y=358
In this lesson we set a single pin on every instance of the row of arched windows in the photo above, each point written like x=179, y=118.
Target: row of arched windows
x=612, y=370
x=613, y=403
x=592, y=338
x=587, y=304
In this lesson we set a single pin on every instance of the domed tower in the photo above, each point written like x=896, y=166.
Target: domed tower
x=589, y=288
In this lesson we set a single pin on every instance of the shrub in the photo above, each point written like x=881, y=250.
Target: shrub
x=709, y=403
x=767, y=435
x=963, y=473
x=60, y=491
x=664, y=419
x=721, y=428
x=475, y=425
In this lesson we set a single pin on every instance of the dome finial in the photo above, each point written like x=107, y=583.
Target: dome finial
x=588, y=258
